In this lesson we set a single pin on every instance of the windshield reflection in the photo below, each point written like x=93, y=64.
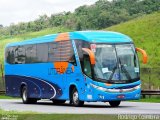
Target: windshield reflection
x=116, y=62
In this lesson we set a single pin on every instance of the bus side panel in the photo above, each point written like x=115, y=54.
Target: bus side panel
x=13, y=86
x=37, y=88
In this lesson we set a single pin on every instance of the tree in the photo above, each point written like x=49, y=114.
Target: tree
x=1, y=26
x=100, y=15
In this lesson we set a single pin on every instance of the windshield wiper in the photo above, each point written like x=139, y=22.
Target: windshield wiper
x=113, y=71
x=124, y=70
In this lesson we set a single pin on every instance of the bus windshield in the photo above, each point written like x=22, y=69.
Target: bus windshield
x=116, y=62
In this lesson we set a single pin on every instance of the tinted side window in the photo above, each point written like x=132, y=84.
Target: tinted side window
x=19, y=57
x=42, y=52
x=10, y=55
x=65, y=49
x=39, y=53
x=61, y=51
x=54, y=53
x=31, y=53
x=87, y=66
x=79, y=45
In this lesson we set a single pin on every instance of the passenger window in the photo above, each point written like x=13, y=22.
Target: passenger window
x=19, y=55
x=31, y=53
x=54, y=54
x=61, y=51
x=65, y=50
x=10, y=55
x=42, y=52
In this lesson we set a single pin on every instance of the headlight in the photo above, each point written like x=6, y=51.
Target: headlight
x=99, y=88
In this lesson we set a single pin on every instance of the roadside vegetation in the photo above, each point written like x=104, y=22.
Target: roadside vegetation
x=150, y=99
x=15, y=115
x=7, y=97
x=100, y=15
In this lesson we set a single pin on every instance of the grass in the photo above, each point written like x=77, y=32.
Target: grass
x=150, y=100
x=1, y=84
x=65, y=117
x=7, y=97
x=38, y=116
x=150, y=80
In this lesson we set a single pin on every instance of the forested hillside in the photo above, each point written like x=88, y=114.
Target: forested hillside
x=143, y=30
x=100, y=15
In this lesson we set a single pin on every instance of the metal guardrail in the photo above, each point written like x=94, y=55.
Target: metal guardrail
x=150, y=92
x=144, y=92
x=2, y=92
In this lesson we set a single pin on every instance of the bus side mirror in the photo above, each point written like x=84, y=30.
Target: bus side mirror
x=91, y=55
x=144, y=54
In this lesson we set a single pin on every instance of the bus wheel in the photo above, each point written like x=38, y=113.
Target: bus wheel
x=114, y=103
x=25, y=98
x=75, y=98
x=58, y=101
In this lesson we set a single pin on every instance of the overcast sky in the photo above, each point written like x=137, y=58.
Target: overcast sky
x=14, y=11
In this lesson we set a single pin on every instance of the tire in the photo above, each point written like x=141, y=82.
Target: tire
x=25, y=98
x=58, y=101
x=114, y=103
x=75, y=98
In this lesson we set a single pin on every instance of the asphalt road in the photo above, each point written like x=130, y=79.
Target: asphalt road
x=46, y=106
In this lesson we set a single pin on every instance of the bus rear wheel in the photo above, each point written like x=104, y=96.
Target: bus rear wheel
x=114, y=103
x=58, y=101
x=25, y=98
x=75, y=98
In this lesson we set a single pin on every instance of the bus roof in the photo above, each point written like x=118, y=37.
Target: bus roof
x=89, y=36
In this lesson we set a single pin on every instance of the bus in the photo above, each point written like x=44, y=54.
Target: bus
x=79, y=66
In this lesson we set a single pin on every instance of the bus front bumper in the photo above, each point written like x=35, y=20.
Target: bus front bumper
x=104, y=96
